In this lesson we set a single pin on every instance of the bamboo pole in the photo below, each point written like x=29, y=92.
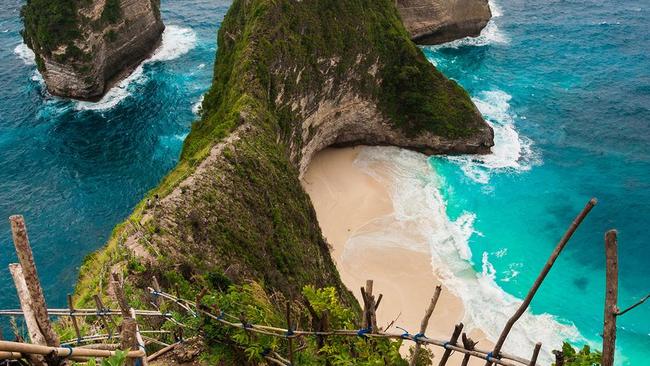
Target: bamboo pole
x=454, y=338
x=73, y=317
x=289, y=332
x=100, y=314
x=85, y=312
x=533, y=360
x=120, y=297
x=425, y=322
x=33, y=329
x=26, y=258
x=540, y=278
x=611, y=298
x=138, y=337
x=162, y=351
x=64, y=352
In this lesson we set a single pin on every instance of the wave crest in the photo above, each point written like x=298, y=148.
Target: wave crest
x=176, y=41
x=414, y=189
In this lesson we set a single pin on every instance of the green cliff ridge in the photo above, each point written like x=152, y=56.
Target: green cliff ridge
x=291, y=78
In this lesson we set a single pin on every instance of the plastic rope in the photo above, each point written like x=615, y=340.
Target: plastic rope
x=362, y=332
x=289, y=333
x=418, y=336
x=489, y=356
x=69, y=351
x=406, y=333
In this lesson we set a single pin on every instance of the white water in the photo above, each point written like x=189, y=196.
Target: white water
x=420, y=222
x=176, y=41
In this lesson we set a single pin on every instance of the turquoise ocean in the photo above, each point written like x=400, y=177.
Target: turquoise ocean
x=565, y=84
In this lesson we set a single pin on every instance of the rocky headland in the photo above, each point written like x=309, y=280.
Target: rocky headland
x=83, y=47
x=291, y=78
x=438, y=21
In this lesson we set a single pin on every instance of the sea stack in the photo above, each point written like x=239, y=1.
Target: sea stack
x=438, y=21
x=83, y=47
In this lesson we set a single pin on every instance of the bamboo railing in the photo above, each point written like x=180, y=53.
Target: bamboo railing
x=45, y=343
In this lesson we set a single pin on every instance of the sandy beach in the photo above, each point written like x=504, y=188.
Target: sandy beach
x=350, y=203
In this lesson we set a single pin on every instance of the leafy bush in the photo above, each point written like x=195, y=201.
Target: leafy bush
x=49, y=23
x=583, y=357
x=112, y=11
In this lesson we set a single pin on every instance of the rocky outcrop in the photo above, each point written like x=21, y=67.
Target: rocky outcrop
x=290, y=78
x=439, y=21
x=104, y=42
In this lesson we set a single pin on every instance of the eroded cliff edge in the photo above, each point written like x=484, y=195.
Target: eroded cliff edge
x=439, y=21
x=291, y=78
x=83, y=46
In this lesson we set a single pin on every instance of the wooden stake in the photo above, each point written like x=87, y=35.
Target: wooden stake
x=454, y=339
x=102, y=317
x=290, y=329
x=139, y=339
x=425, y=323
x=540, y=278
x=533, y=360
x=73, y=318
x=26, y=258
x=120, y=297
x=468, y=344
x=611, y=297
x=30, y=319
x=128, y=340
x=156, y=287
x=369, y=308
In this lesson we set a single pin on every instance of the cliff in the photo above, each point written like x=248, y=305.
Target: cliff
x=440, y=21
x=290, y=78
x=82, y=47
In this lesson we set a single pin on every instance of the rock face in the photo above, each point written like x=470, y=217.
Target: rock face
x=439, y=21
x=290, y=78
x=104, y=42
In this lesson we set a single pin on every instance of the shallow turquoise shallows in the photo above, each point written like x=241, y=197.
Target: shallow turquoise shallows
x=566, y=84
x=75, y=170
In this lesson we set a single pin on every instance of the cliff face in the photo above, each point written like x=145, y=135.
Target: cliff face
x=82, y=47
x=440, y=21
x=291, y=77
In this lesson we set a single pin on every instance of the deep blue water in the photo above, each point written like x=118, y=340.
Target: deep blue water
x=75, y=173
x=567, y=85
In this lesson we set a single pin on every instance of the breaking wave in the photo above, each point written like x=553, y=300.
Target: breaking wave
x=420, y=222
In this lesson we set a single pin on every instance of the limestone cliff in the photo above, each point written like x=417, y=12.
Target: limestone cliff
x=82, y=47
x=291, y=77
x=440, y=21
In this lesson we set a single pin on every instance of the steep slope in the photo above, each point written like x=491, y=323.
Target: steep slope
x=82, y=47
x=291, y=77
x=439, y=21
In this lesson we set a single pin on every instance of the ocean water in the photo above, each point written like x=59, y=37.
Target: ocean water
x=76, y=169
x=566, y=86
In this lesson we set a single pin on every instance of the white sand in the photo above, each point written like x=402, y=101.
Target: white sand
x=349, y=202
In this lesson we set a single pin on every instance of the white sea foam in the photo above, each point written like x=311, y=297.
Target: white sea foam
x=25, y=54
x=511, y=152
x=176, y=41
x=196, y=107
x=419, y=208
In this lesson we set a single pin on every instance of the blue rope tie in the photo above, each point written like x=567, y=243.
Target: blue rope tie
x=489, y=356
x=265, y=352
x=69, y=350
x=362, y=332
x=246, y=325
x=155, y=293
x=141, y=346
x=406, y=334
x=78, y=340
x=220, y=316
x=418, y=336
x=138, y=362
x=289, y=333
x=445, y=345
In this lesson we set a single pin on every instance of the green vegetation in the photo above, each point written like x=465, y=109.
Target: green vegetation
x=112, y=11
x=582, y=357
x=49, y=23
x=244, y=228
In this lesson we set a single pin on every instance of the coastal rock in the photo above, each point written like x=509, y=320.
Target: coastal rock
x=438, y=21
x=96, y=44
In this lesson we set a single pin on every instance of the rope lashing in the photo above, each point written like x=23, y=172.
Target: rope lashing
x=489, y=356
x=445, y=344
x=418, y=336
x=69, y=351
x=289, y=333
x=221, y=315
x=362, y=332
x=265, y=352
x=406, y=334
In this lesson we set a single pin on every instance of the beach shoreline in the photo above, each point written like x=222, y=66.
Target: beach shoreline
x=351, y=207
